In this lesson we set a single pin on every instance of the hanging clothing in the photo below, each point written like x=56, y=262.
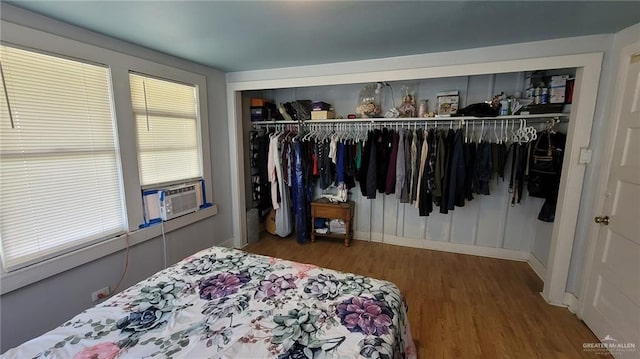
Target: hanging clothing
x=498, y=159
x=440, y=165
x=457, y=191
x=326, y=166
x=333, y=148
x=373, y=166
x=483, y=169
x=408, y=153
x=364, y=165
x=424, y=202
x=446, y=181
x=358, y=155
x=283, y=211
x=301, y=202
x=400, y=165
x=391, y=171
x=423, y=161
x=271, y=167
x=431, y=160
x=350, y=164
x=260, y=143
x=469, y=160
x=518, y=171
x=416, y=166
x=340, y=164
x=383, y=155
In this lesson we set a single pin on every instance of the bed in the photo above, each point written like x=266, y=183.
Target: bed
x=225, y=303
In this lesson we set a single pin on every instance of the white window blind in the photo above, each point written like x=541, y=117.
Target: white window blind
x=166, y=116
x=60, y=185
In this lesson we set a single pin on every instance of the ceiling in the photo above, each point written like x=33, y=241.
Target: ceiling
x=249, y=35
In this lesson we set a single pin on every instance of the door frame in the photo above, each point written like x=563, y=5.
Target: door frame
x=601, y=185
x=588, y=68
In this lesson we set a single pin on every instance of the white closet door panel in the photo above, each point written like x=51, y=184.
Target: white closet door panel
x=413, y=224
x=390, y=216
x=464, y=222
x=377, y=206
x=542, y=241
x=493, y=212
x=520, y=227
x=438, y=226
x=401, y=211
x=362, y=211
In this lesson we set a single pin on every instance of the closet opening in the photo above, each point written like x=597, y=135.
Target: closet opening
x=498, y=219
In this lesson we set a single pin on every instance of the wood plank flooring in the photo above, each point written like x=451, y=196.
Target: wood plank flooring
x=460, y=306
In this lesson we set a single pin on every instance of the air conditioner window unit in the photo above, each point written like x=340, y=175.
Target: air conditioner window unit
x=179, y=200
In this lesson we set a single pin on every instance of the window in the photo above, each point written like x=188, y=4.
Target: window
x=166, y=118
x=60, y=185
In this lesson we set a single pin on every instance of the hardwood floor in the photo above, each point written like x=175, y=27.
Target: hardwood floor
x=460, y=306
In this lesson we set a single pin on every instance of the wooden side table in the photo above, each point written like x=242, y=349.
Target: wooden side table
x=323, y=208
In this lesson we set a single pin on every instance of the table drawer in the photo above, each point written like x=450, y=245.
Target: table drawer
x=331, y=212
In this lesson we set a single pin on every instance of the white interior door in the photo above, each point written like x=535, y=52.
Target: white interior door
x=612, y=307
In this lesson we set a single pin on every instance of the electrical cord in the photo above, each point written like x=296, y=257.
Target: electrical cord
x=126, y=267
x=164, y=245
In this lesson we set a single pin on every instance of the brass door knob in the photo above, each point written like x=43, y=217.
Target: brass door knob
x=602, y=220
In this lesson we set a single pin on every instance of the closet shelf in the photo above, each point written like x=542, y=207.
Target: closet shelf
x=542, y=116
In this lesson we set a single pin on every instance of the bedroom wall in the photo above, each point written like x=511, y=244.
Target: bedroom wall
x=32, y=310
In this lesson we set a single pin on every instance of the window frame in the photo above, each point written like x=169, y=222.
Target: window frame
x=91, y=240
x=198, y=128
x=119, y=65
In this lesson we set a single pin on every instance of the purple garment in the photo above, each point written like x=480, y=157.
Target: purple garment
x=391, y=172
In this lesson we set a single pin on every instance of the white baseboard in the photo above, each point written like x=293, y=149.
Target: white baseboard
x=538, y=267
x=481, y=251
x=572, y=302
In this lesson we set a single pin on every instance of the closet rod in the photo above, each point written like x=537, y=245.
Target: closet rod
x=543, y=116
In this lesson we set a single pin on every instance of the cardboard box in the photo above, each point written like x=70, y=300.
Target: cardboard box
x=448, y=103
x=559, y=81
x=320, y=106
x=322, y=115
x=257, y=102
x=556, y=95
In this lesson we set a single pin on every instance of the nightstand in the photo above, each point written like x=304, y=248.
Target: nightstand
x=323, y=208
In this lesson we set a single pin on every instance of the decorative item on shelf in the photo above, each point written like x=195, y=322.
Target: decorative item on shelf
x=387, y=100
x=323, y=115
x=448, y=103
x=408, y=106
x=257, y=102
x=320, y=106
x=369, y=101
x=321, y=110
x=263, y=110
x=422, y=108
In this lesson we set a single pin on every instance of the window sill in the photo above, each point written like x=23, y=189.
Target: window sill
x=37, y=272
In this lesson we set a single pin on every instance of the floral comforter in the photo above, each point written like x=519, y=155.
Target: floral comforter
x=225, y=303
